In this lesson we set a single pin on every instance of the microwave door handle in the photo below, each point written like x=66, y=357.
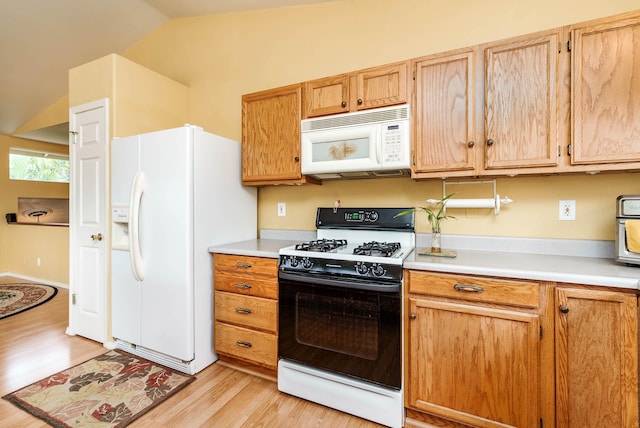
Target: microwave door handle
x=377, y=138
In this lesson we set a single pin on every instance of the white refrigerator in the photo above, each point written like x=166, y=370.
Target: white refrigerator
x=174, y=193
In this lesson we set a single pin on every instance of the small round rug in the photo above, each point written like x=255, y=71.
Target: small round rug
x=16, y=298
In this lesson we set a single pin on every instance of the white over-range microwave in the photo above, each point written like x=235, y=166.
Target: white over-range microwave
x=371, y=143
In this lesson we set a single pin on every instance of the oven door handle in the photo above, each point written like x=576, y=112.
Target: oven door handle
x=355, y=284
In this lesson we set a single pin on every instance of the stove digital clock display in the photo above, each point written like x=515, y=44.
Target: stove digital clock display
x=361, y=216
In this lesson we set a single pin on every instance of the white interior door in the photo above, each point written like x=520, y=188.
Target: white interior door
x=88, y=220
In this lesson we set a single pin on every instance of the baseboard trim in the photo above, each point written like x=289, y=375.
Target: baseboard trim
x=34, y=279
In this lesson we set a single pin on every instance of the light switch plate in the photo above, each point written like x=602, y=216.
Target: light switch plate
x=282, y=209
x=567, y=210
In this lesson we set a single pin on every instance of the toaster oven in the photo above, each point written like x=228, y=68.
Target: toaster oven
x=628, y=229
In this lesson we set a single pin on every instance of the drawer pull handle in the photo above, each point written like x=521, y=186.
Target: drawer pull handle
x=468, y=288
x=245, y=311
x=243, y=343
x=243, y=265
x=243, y=285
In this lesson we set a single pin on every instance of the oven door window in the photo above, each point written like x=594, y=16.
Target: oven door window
x=342, y=330
x=337, y=324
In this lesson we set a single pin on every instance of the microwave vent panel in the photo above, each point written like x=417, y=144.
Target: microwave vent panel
x=358, y=118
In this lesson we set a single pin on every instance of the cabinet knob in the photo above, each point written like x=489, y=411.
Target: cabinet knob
x=343, y=104
x=412, y=316
x=564, y=309
x=297, y=159
x=471, y=144
x=359, y=101
x=490, y=142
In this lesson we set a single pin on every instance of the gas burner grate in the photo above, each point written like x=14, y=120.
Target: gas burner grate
x=373, y=248
x=321, y=245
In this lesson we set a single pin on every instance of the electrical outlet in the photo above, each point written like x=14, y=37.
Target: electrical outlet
x=282, y=209
x=567, y=210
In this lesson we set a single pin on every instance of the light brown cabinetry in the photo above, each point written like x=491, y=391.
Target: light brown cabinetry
x=444, y=114
x=271, y=137
x=487, y=110
x=245, y=309
x=473, y=349
x=370, y=88
x=596, y=358
x=605, y=104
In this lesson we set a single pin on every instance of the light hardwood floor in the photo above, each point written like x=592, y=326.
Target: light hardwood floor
x=34, y=345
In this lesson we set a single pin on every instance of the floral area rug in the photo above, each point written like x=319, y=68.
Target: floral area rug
x=110, y=390
x=16, y=298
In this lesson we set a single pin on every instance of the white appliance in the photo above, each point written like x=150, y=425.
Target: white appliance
x=340, y=313
x=174, y=193
x=371, y=143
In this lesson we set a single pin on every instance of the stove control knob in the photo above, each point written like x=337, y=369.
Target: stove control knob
x=294, y=261
x=377, y=270
x=306, y=263
x=361, y=268
x=373, y=216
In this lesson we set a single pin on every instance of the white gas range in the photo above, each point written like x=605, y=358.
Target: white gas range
x=340, y=312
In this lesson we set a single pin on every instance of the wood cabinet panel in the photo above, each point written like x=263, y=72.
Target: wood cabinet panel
x=521, y=102
x=382, y=86
x=605, y=102
x=596, y=358
x=483, y=371
x=248, y=311
x=477, y=289
x=248, y=345
x=373, y=87
x=329, y=95
x=246, y=308
x=246, y=266
x=271, y=136
x=444, y=114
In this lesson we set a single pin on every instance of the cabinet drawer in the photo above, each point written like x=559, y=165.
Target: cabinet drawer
x=247, y=311
x=489, y=290
x=248, y=286
x=252, y=346
x=246, y=266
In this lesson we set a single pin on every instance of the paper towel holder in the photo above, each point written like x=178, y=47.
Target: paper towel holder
x=495, y=202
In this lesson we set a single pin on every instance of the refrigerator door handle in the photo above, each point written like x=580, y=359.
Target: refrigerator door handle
x=137, y=190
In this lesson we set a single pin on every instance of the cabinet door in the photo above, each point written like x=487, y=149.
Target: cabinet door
x=271, y=135
x=444, y=114
x=521, y=103
x=605, y=108
x=596, y=359
x=472, y=364
x=382, y=86
x=329, y=95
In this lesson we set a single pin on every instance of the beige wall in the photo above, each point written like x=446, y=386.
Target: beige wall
x=22, y=245
x=221, y=57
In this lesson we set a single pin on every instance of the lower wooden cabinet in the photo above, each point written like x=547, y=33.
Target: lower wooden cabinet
x=470, y=361
x=490, y=352
x=596, y=358
x=246, y=309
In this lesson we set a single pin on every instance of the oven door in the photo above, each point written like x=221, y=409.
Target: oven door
x=348, y=327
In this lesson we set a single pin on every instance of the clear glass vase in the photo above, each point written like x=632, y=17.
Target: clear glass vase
x=435, y=240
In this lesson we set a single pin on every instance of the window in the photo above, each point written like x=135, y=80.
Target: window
x=38, y=166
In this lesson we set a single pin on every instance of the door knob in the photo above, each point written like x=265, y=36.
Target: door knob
x=97, y=237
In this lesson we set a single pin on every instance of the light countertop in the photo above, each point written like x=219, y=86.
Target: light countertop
x=599, y=271
x=542, y=267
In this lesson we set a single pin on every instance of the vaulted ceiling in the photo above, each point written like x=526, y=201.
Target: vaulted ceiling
x=40, y=40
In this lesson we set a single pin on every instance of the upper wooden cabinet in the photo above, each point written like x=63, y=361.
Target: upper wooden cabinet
x=271, y=137
x=487, y=110
x=370, y=88
x=521, y=102
x=605, y=104
x=444, y=115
